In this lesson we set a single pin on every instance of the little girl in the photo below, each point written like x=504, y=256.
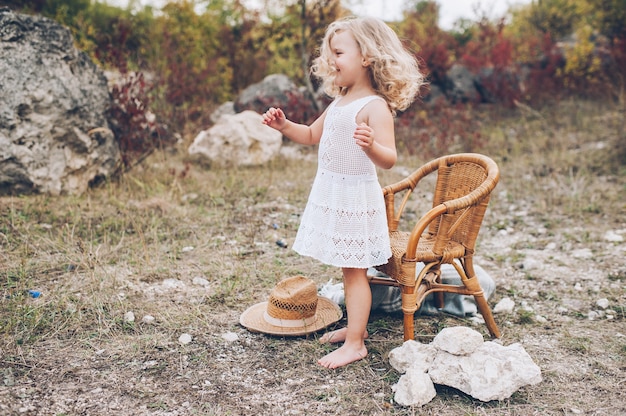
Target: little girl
x=364, y=66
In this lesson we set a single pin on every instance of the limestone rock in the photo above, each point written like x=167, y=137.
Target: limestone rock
x=415, y=388
x=459, y=340
x=412, y=354
x=492, y=372
x=54, y=134
x=239, y=139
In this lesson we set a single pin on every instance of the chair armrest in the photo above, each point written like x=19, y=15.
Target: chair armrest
x=420, y=227
x=407, y=184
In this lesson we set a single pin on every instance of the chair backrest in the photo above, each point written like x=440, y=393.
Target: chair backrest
x=464, y=185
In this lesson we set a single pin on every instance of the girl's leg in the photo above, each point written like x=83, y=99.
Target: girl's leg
x=336, y=336
x=358, y=304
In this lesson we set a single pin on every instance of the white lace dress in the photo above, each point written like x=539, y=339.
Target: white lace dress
x=344, y=222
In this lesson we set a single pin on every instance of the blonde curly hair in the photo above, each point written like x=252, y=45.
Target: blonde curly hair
x=394, y=72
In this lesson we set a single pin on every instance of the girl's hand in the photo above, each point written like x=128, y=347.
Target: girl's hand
x=364, y=136
x=275, y=118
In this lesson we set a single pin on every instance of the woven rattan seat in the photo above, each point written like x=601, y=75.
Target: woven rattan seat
x=447, y=233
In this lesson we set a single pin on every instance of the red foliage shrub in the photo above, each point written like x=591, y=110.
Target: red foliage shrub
x=490, y=53
x=438, y=128
x=135, y=128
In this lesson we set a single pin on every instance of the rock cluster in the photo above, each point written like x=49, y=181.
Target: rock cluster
x=458, y=357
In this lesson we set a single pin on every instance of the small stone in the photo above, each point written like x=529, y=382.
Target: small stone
x=185, y=339
x=187, y=249
x=200, y=281
x=189, y=197
x=129, y=317
x=148, y=319
x=613, y=237
x=506, y=305
x=230, y=336
x=531, y=264
x=603, y=303
x=583, y=253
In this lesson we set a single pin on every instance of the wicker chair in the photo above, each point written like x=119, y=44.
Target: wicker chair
x=445, y=234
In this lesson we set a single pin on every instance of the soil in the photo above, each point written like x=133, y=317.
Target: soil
x=566, y=276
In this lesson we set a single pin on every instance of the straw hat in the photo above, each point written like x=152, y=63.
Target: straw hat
x=294, y=308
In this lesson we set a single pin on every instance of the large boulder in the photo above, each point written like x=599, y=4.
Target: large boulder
x=278, y=90
x=54, y=134
x=237, y=139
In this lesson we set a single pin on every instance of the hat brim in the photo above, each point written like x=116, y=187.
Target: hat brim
x=327, y=313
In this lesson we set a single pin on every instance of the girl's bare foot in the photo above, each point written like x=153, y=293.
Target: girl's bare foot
x=342, y=356
x=337, y=336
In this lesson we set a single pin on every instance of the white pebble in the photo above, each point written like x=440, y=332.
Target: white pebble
x=200, y=281
x=603, y=303
x=592, y=315
x=613, y=237
x=230, y=336
x=185, y=339
x=147, y=319
x=506, y=305
x=129, y=317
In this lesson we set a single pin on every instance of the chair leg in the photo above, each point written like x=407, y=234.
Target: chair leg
x=482, y=305
x=409, y=326
x=409, y=306
x=485, y=311
x=472, y=284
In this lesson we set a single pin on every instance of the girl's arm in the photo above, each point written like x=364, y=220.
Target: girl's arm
x=299, y=133
x=375, y=134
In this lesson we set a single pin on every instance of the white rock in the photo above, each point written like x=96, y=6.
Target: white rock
x=230, y=336
x=185, y=339
x=492, y=372
x=603, y=303
x=129, y=317
x=412, y=354
x=172, y=284
x=531, y=264
x=238, y=139
x=147, y=319
x=200, y=281
x=459, y=340
x=506, y=305
x=583, y=253
x=477, y=320
x=592, y=315
x=613, y=237
x=415, y=388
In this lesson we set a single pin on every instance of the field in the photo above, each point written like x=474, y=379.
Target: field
x=192, y=246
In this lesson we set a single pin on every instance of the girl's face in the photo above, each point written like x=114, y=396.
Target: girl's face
x=347, y=59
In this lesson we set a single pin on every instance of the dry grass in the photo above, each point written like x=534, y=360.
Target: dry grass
x=145, y=243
